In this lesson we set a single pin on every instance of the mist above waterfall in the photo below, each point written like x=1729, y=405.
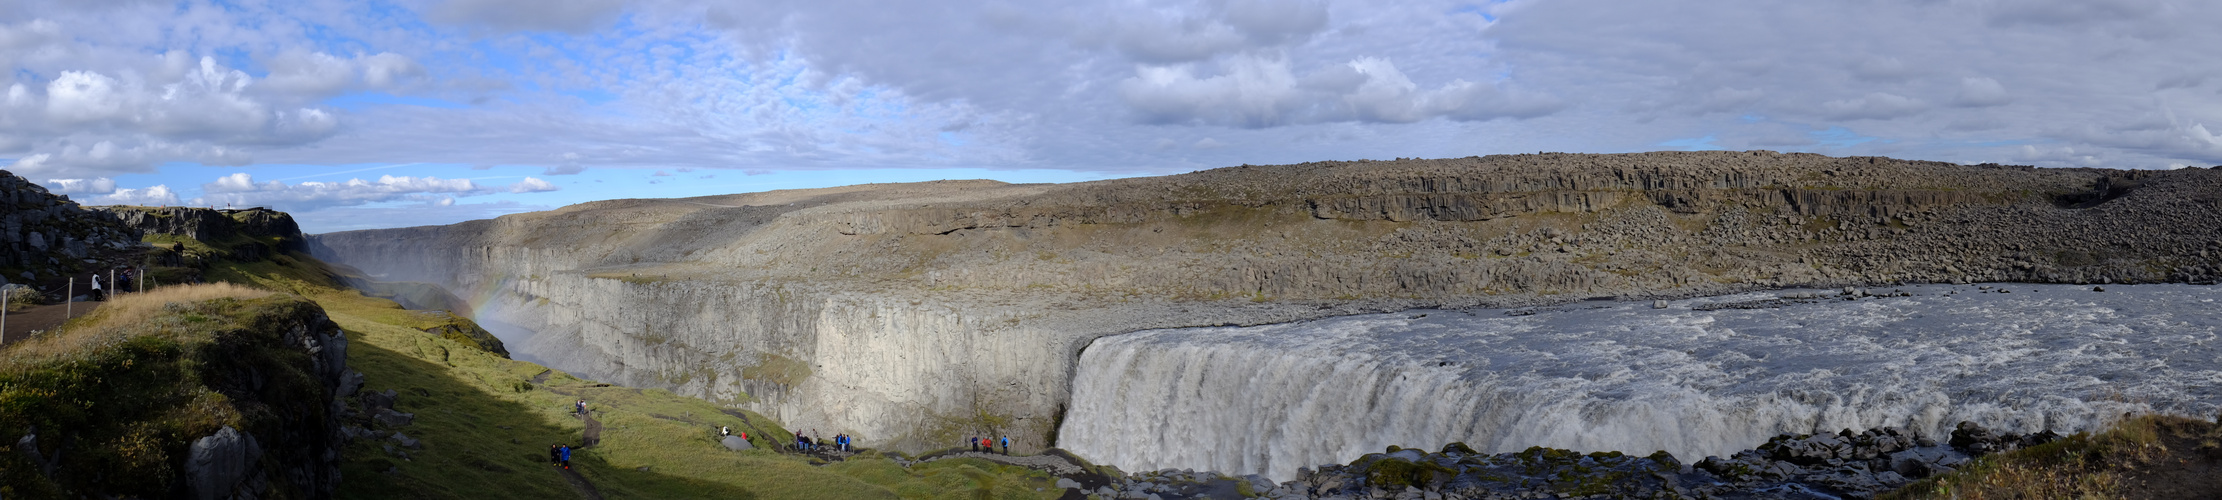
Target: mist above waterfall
x=1622, y=376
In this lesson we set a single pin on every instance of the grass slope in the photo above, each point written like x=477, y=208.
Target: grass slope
x=120, y=394
x=487, y=427
x=2151, y=456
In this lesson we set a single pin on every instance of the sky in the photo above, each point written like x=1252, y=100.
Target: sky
x=370, y=114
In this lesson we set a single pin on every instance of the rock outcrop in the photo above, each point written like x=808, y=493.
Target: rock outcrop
x=1842, y=465
x=44, y=234
x=913, y=314
x=241, y=234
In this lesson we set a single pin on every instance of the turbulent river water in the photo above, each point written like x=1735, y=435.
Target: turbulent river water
x=1692, y=379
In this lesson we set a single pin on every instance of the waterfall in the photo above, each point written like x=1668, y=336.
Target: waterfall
x=1695, y=379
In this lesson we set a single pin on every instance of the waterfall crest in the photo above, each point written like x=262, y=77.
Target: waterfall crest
x=1620, y=377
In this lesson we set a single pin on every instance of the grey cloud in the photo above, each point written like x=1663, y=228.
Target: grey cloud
x=1882, y=69
x=316, y=74
x=1977, y=92
x=570, y=16
x=1263, y=92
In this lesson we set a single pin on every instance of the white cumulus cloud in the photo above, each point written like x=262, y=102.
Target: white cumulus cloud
x=532, y=185
x=159, y=195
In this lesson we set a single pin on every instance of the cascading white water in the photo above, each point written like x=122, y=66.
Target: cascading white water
x=1625, y=377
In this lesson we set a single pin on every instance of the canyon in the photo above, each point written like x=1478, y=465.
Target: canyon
x=912, y=315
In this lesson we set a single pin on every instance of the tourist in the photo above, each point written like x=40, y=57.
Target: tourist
x=555, y=454
x=724, y=431
x=1006, y=445
x=567, y=457
x=96, y=287
x=975, y=440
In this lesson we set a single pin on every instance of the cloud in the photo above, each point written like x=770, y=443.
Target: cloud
x=571, y=16
x=159, y=195
x=133, y=117
x=1976, y=92
x=316, y=74
x=1259, y=92
x=1874, y=106
x=532, y=185
x=101, y=89
x=81, y=186
x=242, y=190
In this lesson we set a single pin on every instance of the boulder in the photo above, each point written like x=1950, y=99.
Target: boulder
x=735, y=443
x=406, y=441
x=350, y=383
x=375, y=400
x=215, y=465
x=393, y=418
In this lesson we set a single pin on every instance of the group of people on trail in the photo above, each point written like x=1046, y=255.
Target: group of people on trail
x=100, y=293
x=978, y=443
x=579, y=407
x=809, y=444
x=560, y=455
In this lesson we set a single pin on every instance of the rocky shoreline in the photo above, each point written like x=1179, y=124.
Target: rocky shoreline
x=1816, y=466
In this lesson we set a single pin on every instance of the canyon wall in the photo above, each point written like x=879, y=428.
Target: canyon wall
x=912, y=315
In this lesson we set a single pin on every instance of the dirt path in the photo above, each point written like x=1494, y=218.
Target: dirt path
x=1050, y=463
x=593, y=431
x=21, y=322
x=579, y=484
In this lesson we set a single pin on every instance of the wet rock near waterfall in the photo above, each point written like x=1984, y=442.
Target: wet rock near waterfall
x=1842, y=465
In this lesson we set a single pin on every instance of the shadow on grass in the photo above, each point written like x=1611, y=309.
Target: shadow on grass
x=478, y=445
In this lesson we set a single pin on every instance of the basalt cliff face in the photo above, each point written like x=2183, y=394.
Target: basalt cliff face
x=915, y=314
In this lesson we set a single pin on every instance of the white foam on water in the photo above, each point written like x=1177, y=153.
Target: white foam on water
x=1625, y=377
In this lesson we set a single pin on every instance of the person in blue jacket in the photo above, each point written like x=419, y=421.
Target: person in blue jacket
x=1006, y=445
x=567, y=457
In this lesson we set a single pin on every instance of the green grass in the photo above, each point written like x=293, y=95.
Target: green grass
x=122, y=393
x=487, y=428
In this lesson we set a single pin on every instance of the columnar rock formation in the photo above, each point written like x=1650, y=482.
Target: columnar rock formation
x=914, y=314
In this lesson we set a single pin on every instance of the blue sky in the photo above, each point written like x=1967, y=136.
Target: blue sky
x=355, y=114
